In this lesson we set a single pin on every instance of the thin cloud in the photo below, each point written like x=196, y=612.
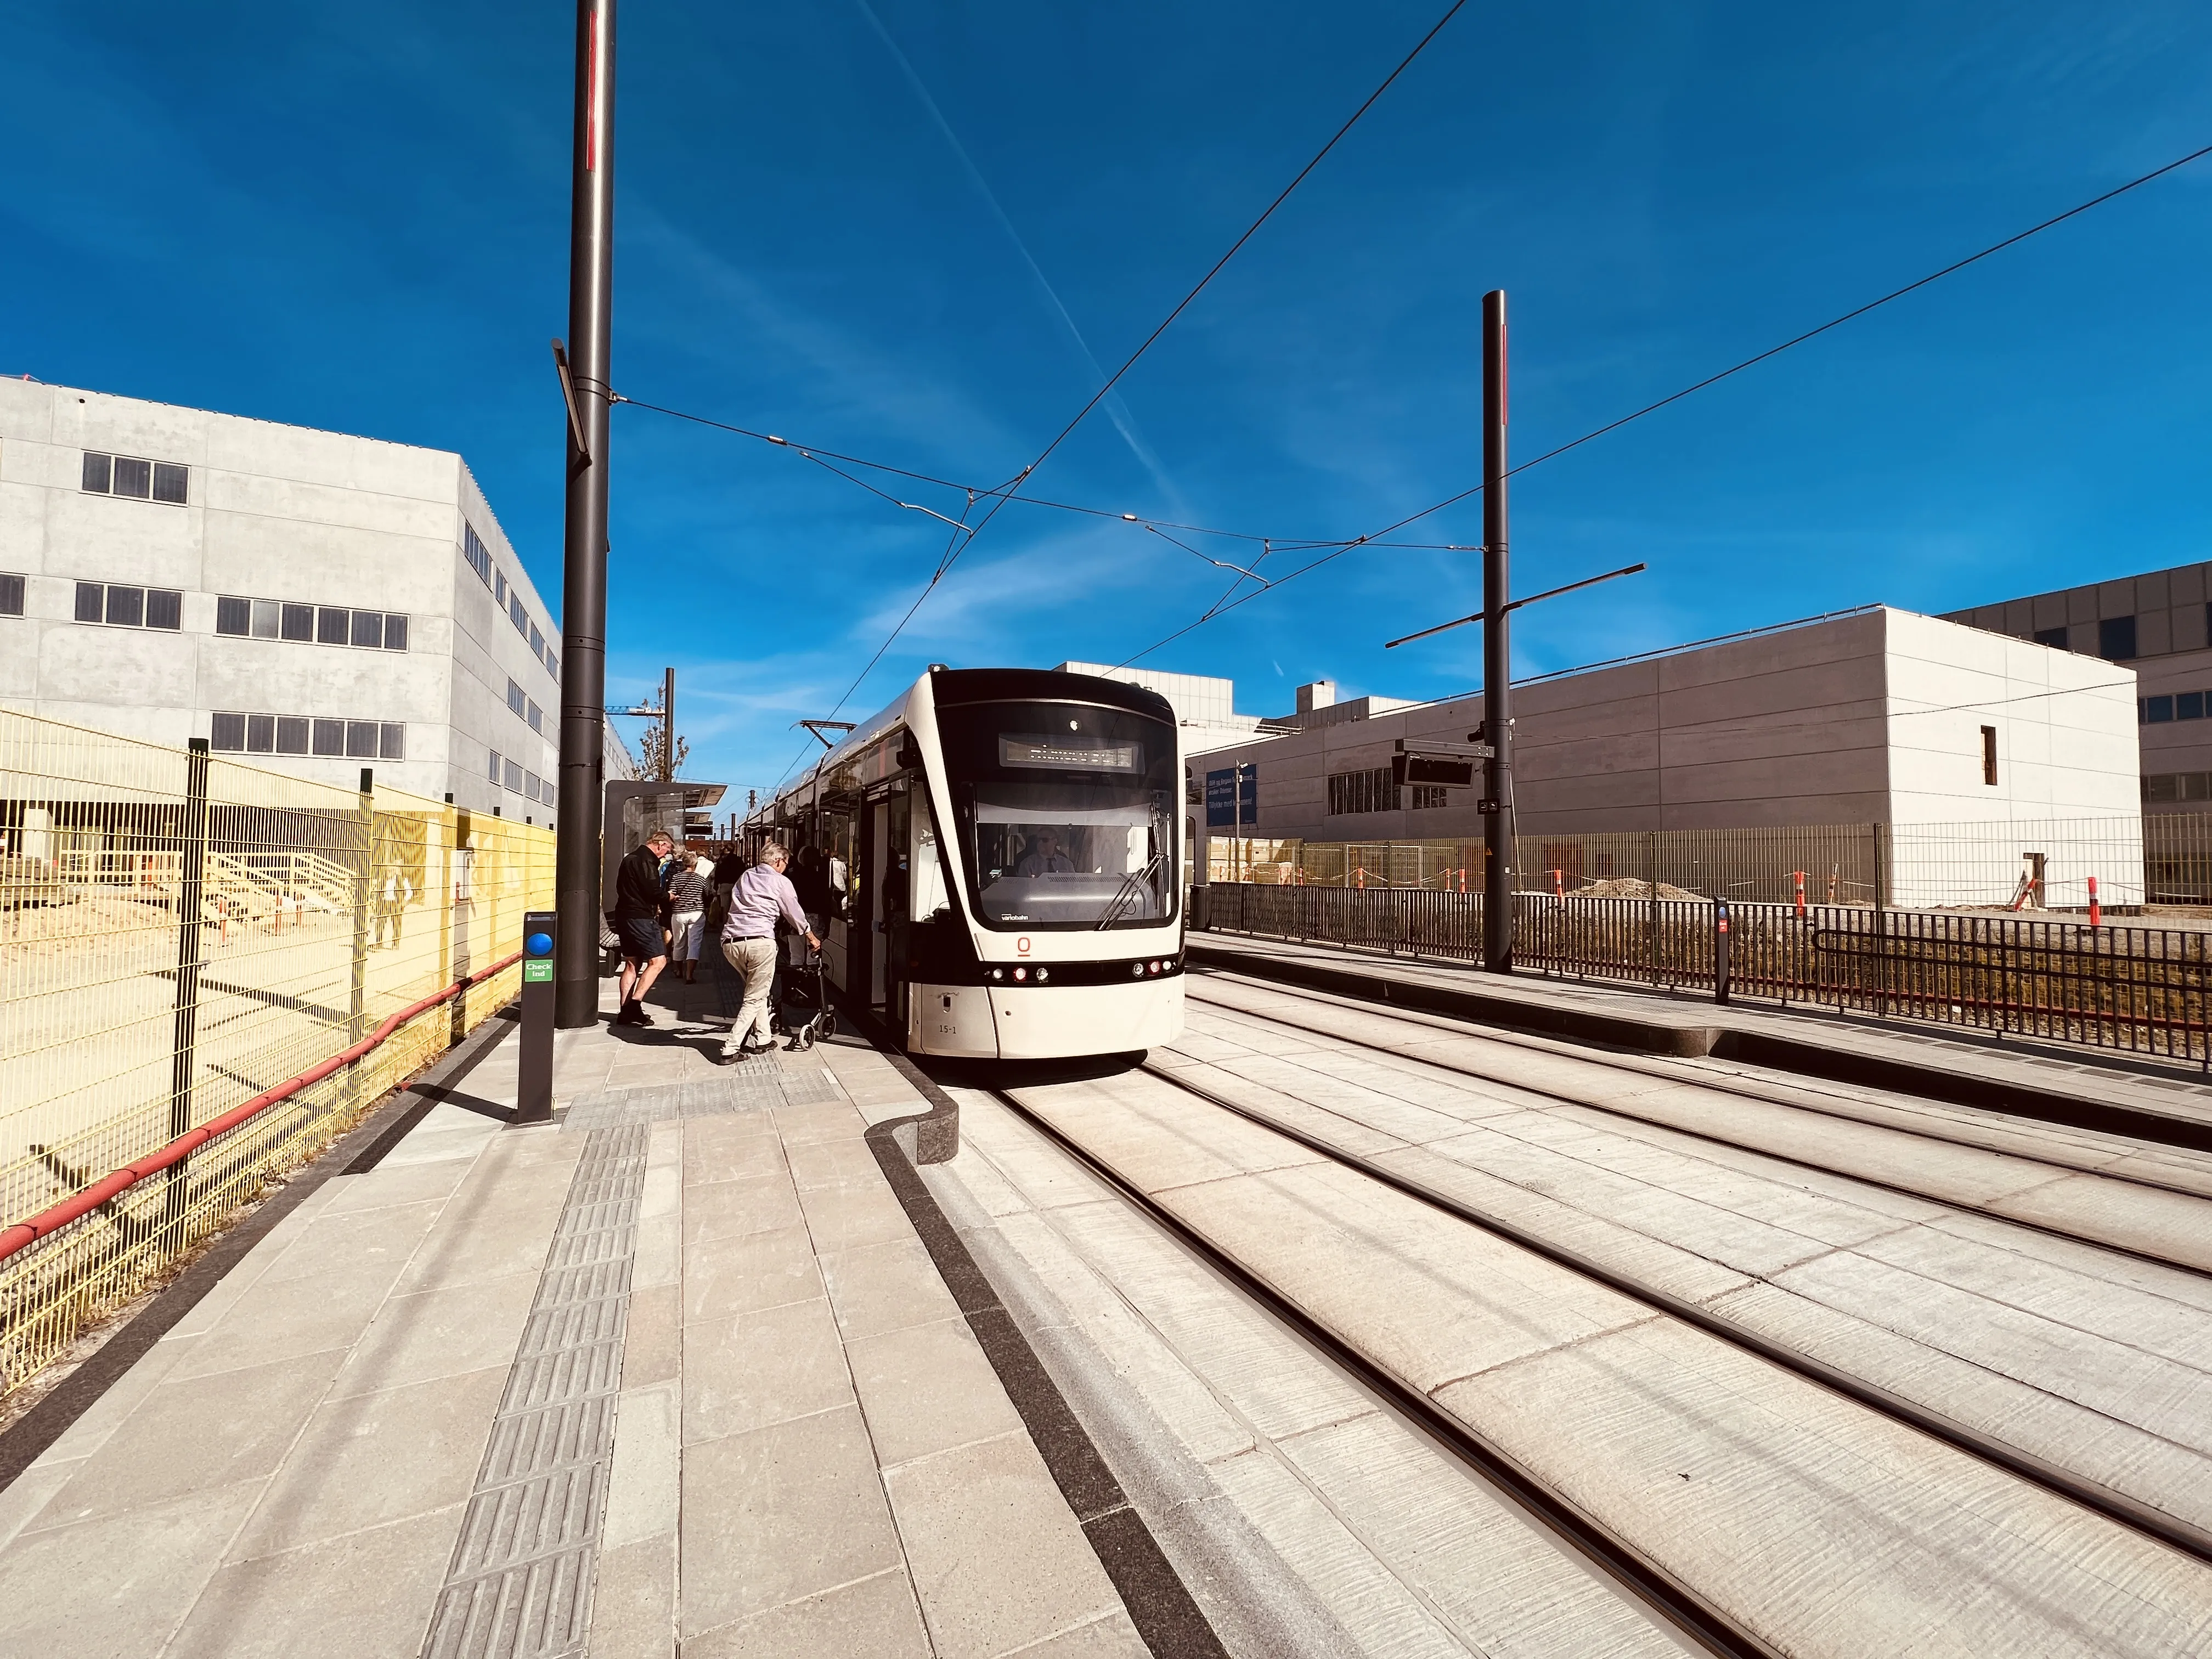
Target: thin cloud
x=1116, y=410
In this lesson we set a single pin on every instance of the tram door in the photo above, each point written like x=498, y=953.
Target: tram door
x=886, y=894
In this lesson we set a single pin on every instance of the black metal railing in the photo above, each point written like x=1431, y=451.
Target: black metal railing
x=2143, y=990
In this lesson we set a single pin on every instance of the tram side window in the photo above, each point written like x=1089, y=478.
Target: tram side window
x=928, y=897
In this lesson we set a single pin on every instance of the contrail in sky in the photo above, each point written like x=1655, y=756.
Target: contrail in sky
x=1116, y=411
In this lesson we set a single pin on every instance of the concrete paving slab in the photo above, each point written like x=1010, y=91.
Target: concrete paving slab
x=749, y=1271
x=330, y=1242
x=2177, y=1226
x=117, y=1586
x=884, y=1287
x=1111, y=1637
x=926, y=1390
x=644, y=1491
x=874, y=1617
x=777, y=1514
x=847, y=1214
x=653, y=1336
x=443, y=1332
x=731, y=1209
x=195, y=1435
x=757, y=1369
x=993, y=1501
x=633, y=1601
x=388, y=1185
x=114, y=1406
x=293, y=1317
x=1147, y=1130
x=366, y=1593
x=379, y=1458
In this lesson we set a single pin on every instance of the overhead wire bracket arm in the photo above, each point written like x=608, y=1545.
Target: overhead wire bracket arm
x=1480, y=616
x=568, y=397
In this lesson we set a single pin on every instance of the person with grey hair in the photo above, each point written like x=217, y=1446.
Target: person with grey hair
x=763, y=895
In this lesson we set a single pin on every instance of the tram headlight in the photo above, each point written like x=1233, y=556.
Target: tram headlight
x=1137, y=968
x=1043, y=974
x=998, y=973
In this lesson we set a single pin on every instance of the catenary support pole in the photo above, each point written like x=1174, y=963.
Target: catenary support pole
x=584, y=585
x=1496, y=652
x=191, y=897
x=668, y=725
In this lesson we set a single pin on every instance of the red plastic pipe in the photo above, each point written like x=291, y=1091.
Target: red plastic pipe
x=26, y=1233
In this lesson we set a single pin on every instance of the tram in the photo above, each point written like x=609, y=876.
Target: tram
x=1003, y=850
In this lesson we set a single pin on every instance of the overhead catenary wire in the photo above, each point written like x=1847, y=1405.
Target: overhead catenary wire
x=1856, y=312
x=998, y=499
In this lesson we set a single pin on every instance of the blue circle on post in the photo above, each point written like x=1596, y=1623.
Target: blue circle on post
x=540, y=944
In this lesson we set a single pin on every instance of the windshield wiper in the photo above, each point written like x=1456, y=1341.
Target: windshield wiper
x=1132, y=884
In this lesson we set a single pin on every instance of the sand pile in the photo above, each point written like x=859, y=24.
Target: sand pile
x=1629, y=887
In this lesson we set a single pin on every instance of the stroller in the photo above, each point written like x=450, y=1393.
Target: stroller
x=805, y=1014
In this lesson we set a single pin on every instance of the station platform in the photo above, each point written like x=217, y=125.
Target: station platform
x=674, y=1372
x=2168, y=1101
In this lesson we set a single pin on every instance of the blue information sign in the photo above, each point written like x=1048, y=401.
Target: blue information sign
x=1221, y=798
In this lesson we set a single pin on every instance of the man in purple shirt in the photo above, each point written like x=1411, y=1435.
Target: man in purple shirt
x=762, y=894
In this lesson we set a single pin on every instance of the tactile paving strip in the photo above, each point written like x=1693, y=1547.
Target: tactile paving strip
x=752, y=1086
x=519, y=1586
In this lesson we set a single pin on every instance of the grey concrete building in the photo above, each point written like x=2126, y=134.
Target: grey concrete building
x=1876, y=715
x=2158, y=625
x=308, y=601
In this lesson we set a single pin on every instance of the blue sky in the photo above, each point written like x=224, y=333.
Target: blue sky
x=912, y=232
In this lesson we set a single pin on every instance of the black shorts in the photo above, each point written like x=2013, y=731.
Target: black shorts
x=641, y=939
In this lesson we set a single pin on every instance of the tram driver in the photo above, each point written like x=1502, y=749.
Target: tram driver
x=1045, y=857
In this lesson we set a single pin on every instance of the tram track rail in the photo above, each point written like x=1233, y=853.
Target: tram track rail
x=1722, y=1085
x=1665, y=1596
x=1674, y=1603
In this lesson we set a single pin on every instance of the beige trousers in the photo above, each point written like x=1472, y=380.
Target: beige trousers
x=754, y=960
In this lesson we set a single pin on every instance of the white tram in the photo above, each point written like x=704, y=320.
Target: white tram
x=1002, y=850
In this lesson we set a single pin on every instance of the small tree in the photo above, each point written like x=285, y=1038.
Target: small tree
x=655, y=747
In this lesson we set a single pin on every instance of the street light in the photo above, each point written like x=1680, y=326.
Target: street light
x=1514, y=605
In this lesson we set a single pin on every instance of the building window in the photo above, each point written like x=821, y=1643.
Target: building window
x=1990, y=755
x=2157, y=711
x=11, y=595
x=2053, y=637
x=553, y=666
x=499, y=584
x=537, y=718
x=516, y=702
x=474, y=550
x=514, y=776
x=121, y=605
x=2115, y=639
x=1427, y=797
x=530, y=785
x=516, y=614
x=1374, y=790
x=290, y=734
x=266, y=619
x=537, y=643
x=140, y=480
x=2189, y=706
x=495, y=766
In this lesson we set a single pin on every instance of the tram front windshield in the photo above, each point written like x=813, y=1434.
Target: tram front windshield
x=1067, y=813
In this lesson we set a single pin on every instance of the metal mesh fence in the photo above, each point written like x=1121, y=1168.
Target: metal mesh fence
x=179, y=934
x=2143, y=990
x=2029, y=865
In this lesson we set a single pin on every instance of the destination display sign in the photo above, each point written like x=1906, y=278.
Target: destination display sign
x=1056, y=754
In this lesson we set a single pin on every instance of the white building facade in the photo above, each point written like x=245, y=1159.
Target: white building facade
x=1878, y=716
x=307, y=601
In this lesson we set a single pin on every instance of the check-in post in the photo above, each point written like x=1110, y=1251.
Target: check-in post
x=533, y=1102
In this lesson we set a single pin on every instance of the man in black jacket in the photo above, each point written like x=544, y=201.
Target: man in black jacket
x=636, y=919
